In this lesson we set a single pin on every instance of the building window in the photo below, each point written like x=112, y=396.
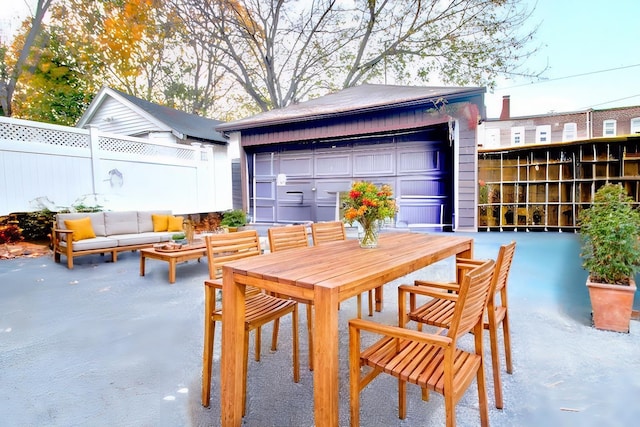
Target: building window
x=609, y=128
x=569, y=132
x=517, y=135
x=543, y=134
x=635, y=125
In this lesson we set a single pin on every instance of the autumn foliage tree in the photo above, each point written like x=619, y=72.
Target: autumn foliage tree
x=12, y=66
x=232, y=58
x=280, y=52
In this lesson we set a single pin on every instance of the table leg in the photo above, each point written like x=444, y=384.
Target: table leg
x=172, y=270
x=378, y=298
x=142, y=263
x=231, y=363
x=325, y=358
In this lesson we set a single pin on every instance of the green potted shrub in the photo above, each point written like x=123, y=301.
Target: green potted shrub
x=233, y=219
x=610, y=237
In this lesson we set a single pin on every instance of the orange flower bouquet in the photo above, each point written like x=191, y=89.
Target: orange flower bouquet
x=368, y=204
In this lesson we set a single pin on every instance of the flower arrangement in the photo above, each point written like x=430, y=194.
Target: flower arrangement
x=368, y=204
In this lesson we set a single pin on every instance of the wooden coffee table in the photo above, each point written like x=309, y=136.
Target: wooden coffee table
x=196, y=250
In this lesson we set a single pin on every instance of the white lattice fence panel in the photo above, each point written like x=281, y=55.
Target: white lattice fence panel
x=16, y=131
x=144, y=148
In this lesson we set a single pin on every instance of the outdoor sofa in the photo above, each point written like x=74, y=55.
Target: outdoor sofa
x=76, y=234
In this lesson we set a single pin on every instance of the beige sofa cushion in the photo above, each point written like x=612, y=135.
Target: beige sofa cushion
x=125, y=222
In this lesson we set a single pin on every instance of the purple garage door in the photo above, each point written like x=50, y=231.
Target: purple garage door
x=302, y=185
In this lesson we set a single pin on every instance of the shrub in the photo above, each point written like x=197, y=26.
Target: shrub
x=610, y=231
x=10, y=233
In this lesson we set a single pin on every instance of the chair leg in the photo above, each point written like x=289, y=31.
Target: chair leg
x=507, y=343
x=482, y=397
x=495, y=360
x=310, y=334
x=258, y=344
x=207, y=353
x=274, y=335
x=207, y=356
x=295, y=345
x=402, y=399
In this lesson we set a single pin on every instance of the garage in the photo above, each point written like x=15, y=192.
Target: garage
x=297, y=160
x=300, y=183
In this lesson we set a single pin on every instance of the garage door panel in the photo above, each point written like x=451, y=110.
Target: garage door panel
x=265, y=190
x=419, y=161
x=326, y=189
x=373, y=163
x=264, y=165
x=424, y=212
x=300, y=165
x=332, y=165
x=265, y=213
x=325, y=212
x=421, y=187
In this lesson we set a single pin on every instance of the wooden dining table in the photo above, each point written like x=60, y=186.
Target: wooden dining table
x=326, y=274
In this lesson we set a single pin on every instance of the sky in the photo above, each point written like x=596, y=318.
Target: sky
x=579, y=40
x=588, y=47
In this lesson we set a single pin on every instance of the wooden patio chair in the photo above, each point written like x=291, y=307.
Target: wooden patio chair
x=290, y=237
x=439, y=311
x=432, y=361
x=260, y=308
x=323, y=232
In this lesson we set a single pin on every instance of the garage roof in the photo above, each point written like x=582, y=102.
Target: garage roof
x=357, y=99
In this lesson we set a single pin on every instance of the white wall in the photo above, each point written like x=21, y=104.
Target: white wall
x=66, y=165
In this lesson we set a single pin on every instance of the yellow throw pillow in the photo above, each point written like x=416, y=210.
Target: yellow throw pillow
x=175, y=223
x=160, y=222
x=82, y=228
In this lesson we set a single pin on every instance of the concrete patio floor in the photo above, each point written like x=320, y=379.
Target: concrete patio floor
x=101, y=346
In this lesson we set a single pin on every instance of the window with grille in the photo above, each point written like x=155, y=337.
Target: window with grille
x=543, y=134
x=517, y=135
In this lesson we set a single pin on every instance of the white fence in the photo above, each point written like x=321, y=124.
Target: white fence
x=44, y=165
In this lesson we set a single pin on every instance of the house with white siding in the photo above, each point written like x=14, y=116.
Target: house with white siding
x=113, y=111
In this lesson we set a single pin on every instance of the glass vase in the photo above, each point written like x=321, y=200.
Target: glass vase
x=368, y=235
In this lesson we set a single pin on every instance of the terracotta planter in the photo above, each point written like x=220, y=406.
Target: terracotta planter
x=612, y=305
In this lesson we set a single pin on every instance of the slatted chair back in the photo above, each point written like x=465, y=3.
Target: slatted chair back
x=226, y=247
x=473, y=297
x=260, y=308
x=322, y=232
x=287, y=237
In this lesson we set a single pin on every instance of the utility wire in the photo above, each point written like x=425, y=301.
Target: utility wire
x=609, y=102
x=543, y=80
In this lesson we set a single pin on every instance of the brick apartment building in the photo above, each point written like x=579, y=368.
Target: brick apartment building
x=508, y=131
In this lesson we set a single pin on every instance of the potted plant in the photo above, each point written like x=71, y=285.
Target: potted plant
x=233, y=219
x=610, y=237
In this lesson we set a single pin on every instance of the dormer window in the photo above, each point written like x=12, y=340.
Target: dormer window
x=569, y=132
x=517, y=135
x=609, y=128
x=543, y=134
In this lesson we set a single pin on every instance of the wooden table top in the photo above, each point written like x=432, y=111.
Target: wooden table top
x=345, y=265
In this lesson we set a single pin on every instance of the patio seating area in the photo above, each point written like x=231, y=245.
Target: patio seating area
x=100, y=345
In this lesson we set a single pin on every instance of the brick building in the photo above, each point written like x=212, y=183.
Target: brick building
x=508, y=131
